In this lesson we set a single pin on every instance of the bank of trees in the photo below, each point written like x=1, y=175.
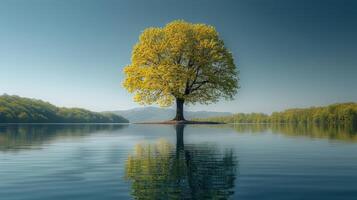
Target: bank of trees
x=240, y=118
x=335, y=114
x=15, y=109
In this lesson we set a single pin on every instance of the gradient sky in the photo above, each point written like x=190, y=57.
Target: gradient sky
x=71, y=53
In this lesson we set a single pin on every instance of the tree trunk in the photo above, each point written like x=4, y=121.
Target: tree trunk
x=179, y=110
x=179, y=137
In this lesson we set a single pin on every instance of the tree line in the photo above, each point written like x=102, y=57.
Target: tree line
x=335, y=114
x=15, y=109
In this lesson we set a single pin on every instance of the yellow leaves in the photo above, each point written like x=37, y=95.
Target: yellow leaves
x=167, y=61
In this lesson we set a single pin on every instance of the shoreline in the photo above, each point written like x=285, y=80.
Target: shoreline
x=182, y=122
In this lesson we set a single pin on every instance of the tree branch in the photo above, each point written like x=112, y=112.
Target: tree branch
x=198, y=87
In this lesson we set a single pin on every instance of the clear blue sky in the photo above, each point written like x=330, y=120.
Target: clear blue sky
x=71, y=53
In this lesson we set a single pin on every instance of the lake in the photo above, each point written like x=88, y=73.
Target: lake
x=113, y=161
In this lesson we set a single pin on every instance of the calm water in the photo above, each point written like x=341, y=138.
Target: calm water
x=167, y=162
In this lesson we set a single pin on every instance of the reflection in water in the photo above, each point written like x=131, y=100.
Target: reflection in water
x=17, y=137
x=90, y=161
x=344, y=133
x=161, y=171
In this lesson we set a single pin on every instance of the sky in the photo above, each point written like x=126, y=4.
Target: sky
x=290, y=53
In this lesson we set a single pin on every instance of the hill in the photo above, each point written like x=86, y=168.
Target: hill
x=152, y=114
x=335, y=114
x=15, y=109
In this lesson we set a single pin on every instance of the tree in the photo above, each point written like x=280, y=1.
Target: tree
x=182, y=62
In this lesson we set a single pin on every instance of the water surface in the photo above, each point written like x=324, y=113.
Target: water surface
x=97, y=161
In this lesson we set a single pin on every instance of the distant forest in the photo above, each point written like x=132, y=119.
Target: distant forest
x=15, y=109
x=335, y=114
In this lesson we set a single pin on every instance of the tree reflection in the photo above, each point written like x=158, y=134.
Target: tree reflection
x=19, y=137
x=161, y=171
x=342, y=133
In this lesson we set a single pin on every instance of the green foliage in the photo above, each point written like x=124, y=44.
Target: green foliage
x=15, y=109
x=335, y=114
x=181, y=60
x=240, y=118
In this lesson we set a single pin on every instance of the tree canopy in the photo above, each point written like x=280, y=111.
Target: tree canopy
x=182, y=61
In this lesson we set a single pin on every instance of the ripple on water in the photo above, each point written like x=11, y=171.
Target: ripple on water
x=163, y=162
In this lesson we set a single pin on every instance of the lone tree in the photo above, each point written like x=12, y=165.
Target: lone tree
x=182, y=62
